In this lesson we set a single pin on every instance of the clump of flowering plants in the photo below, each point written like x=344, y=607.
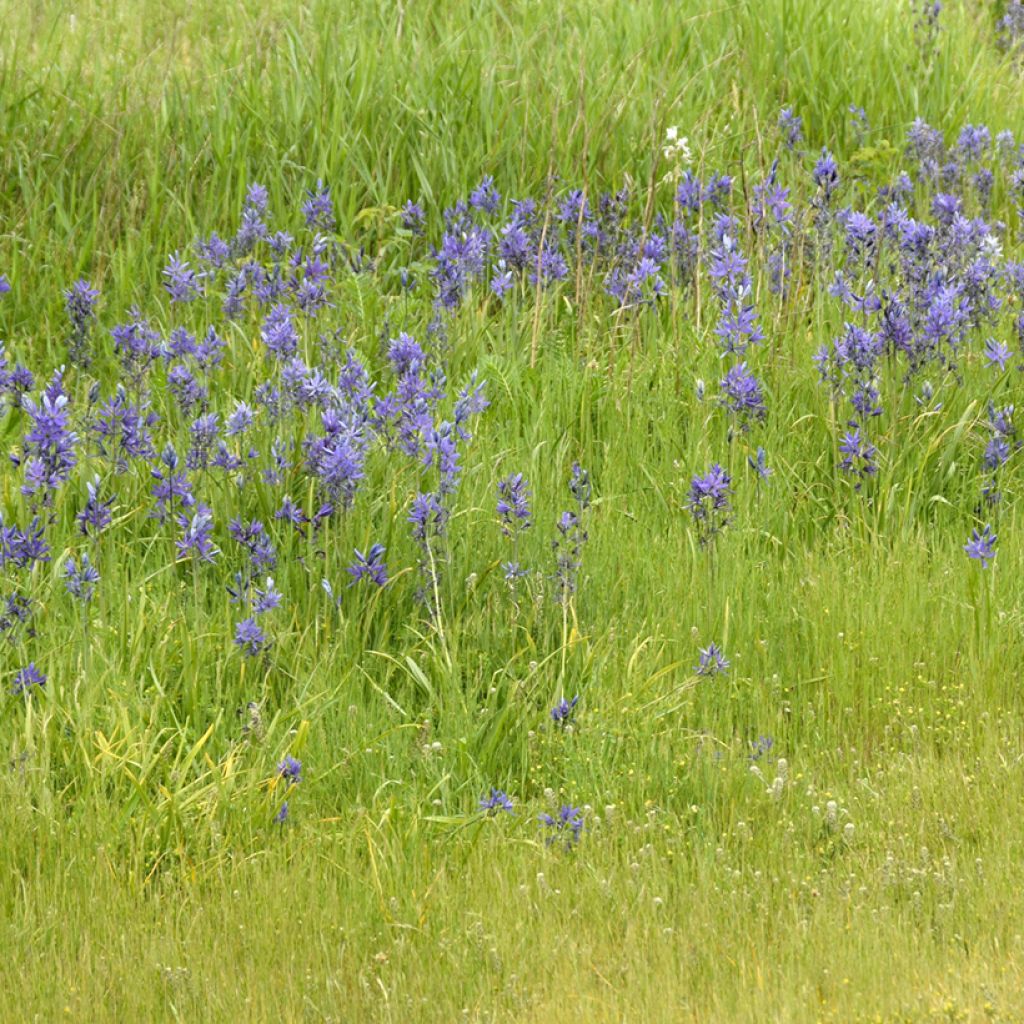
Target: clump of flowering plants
x=298, y=409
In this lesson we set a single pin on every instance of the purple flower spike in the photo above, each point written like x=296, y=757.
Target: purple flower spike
x=370, y=566
x=982, y=546
x=708, y=502
x=498, y=800
x=566, y=826
x=250, y=638
x=712, y=661
x=290, y=769
x=562, y=712
x=513, y=506
x=26, y=680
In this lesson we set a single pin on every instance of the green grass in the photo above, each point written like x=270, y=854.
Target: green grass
x=141, y=876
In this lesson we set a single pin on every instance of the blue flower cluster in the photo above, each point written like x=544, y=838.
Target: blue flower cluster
x=234, y=476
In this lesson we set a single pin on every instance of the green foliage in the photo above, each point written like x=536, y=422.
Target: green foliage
x=143, y=876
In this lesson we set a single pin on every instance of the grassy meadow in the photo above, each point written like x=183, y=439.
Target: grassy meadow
x=826, y=830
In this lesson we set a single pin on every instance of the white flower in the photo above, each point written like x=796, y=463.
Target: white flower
x=676, y=149
x=991, y=248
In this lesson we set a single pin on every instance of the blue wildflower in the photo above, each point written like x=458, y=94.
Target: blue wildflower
x=858, y=455
x=580, y=487
x=369, y=566
x=15, y=615
x=50, y=446
x=566, y=826
x=982, y=546
x=183, y=284
x=22, y=547
x=195, y=537
x=563, y=712
x=27, y=678
x=513, y=506
x=826, y=175
x=760, y=464
x=137, y=346
x=496, y=801
x=708, y=502
x=214, y=250
x=81, y=578
x=711, y=661
x=858, y=122
x=290, y=769
x=997, y=354
x=742, y=396
x=250, y=638
x=485, y=196
x=289, y=512
x=266, y=599
x=413, y=217
x=791, y=126
x=256, y=197
x=240, y=420
x=514, y=572
x=318, y=208
x=80, y=303
x=406, y=355
x=502, y=279
x=278, y=332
